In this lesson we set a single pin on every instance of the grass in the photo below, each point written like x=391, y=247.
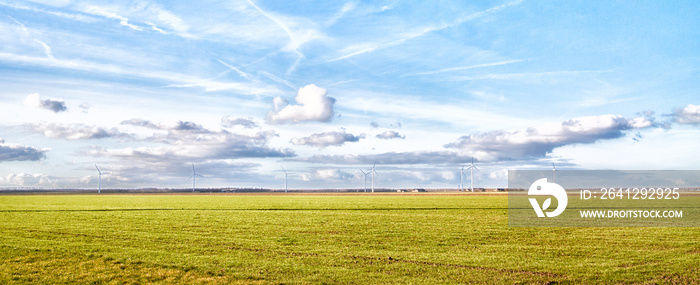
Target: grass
x=293, y=239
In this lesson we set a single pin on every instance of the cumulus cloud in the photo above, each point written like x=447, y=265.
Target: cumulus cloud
x=522, y=144
x=24, y=179
x=185, y=135
x=218, y=155
x=176, y=126
x=188, y=141
x=229, y=122
x=537, y=142
x=390, y=135
x=34, y=100
x=395, y=125
x=327, y=174
x=76, y=131
x=689, y=115
x=167, y=172
x=327, y=139
x=17, y=152
x=187, y=126
x=313, y=104
x=141, y=123
x=214, y=145
x=412, y=157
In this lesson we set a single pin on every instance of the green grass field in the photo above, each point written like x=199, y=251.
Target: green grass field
x=251, y=239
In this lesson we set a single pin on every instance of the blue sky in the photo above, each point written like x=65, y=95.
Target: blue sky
x=241, y=88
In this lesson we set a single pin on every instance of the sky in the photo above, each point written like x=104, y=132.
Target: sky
x=326, y=89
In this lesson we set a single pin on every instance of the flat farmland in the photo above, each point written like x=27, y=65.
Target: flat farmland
x=294, y=239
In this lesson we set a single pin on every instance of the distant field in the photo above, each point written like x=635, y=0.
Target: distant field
x=251, y=239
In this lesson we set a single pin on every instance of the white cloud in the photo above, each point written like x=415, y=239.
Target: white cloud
x=108, y=13
x=537, y=142
x=327, y=139
x=327, y=174
x=688, y=115
x=141, y=123
x=519, y=144
x=184, y=126
x=411, y=157
x=187, y=140
x=76, y=131
x=640, y=123
x=313, y=105
x=156, y=13
x=34, y=100
x=17, y=152
x=24, y=179
x=230, y=122
x=47, y=48
x=390, y=135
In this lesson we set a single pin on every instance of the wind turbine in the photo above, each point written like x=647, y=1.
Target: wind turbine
x=99, y=179
x=554, y=173
x=373, y=173
x=471, y=173
x=365, y=175
x=194, y=177
x=285, y=179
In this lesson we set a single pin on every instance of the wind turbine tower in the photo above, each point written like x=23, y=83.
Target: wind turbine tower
x=471, y=173
x=285, y=179
x=365, y=176
x=194, y=177
x=554, y=173
x=99, y=179
x=373, y=173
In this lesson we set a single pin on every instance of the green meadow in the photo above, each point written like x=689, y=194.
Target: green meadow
x=301, y=239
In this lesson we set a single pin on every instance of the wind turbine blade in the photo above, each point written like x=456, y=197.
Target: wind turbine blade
x=363, y=172
x=193, y=168
x=285, y=171
x=98, y=169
